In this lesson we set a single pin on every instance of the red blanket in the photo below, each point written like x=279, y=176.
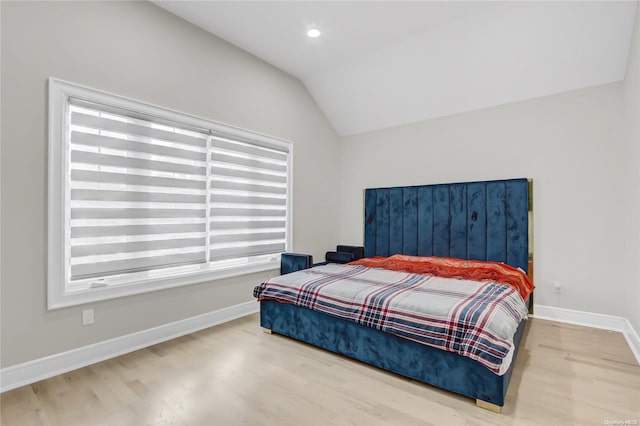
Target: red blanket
x=449, y=267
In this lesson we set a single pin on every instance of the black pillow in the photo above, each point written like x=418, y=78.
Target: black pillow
x=338, y=257
x=356, y=251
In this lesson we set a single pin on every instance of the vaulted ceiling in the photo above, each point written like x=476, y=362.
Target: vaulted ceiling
x=384, y=63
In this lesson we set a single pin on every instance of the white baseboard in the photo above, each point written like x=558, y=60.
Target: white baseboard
x=53, y=365
x=590, y=319
x=633, y=339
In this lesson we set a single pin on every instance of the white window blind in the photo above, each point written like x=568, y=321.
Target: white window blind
x=248, y=204
x=142, y=198
x=137, y=192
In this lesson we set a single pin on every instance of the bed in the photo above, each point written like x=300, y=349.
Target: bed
x=486, y=221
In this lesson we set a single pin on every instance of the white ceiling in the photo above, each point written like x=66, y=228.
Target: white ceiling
x=384, y=63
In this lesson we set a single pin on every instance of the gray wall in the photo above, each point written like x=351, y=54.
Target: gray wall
x=137, y=50
x=632, y=117
x=573, y=145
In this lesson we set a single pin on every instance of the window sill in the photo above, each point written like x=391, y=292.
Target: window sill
x=62, y=298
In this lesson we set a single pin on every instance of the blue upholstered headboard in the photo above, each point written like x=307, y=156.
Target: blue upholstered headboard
x=472, y=220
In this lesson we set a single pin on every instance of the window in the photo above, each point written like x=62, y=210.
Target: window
x=143, y=198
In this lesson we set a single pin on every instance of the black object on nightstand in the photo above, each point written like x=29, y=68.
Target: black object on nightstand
x=292, y=262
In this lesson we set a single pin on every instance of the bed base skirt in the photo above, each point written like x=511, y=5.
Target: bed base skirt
x=436, y=367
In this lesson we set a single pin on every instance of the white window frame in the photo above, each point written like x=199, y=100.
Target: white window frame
x=58, y=289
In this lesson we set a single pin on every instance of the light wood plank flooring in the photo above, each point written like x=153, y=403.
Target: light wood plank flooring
x=234, y=374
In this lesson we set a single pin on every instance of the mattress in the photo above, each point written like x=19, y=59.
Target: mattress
x=476, y=319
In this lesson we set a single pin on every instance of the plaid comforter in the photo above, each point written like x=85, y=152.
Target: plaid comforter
x=474, y=319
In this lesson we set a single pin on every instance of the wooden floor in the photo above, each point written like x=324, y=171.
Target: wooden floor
x=236, y=375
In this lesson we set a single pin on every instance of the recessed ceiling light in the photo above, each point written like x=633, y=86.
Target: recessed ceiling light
x=313, y=33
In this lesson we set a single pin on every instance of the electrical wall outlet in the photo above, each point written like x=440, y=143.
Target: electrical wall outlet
x=557, y=287
x=87, y=316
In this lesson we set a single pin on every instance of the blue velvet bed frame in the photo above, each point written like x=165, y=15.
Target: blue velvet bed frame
x=474, y=220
